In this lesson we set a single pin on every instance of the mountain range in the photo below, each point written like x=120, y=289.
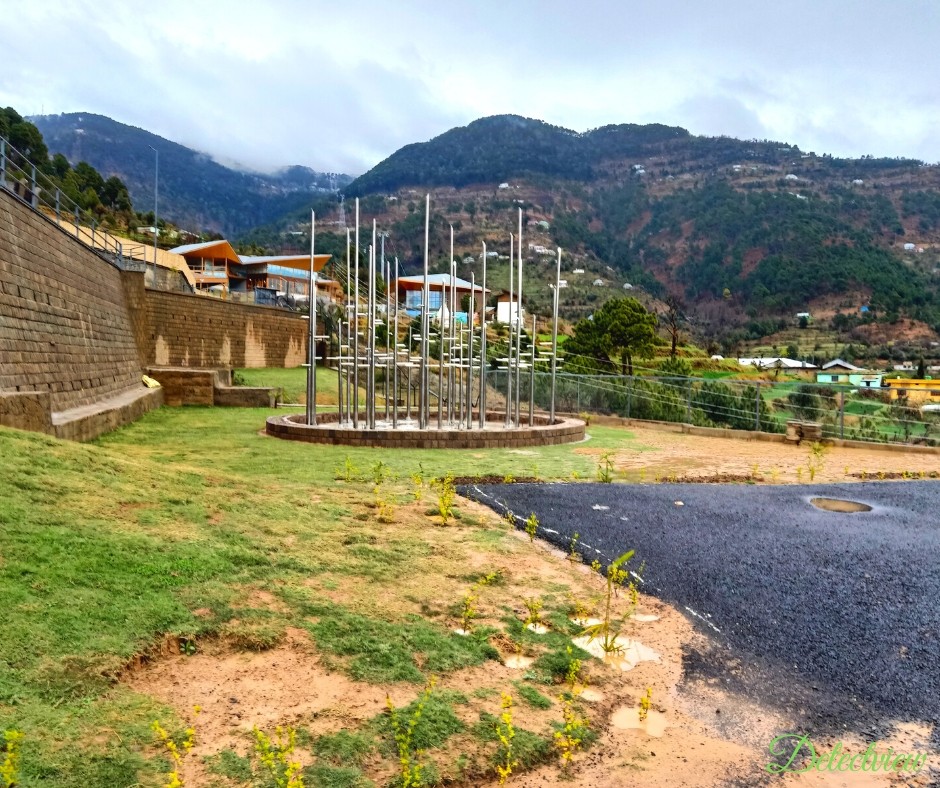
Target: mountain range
x=194, y=191
x=744, y=233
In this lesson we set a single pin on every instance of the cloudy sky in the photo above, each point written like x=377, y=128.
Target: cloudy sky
x=339, y=86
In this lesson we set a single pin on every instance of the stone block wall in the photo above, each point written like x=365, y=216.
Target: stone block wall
x=199, y=331
x=64, y=318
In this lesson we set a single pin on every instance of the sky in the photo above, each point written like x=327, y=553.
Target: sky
x=340, y=86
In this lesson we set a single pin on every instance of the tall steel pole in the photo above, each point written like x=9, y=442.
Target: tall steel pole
x=388, y=329
x=451, y=330
x=349, y=334
x=370, y=374
x=532, y=374
x=355, y=333
x=483, y=346
x=512, y=251
x=470, y=314
x=312, y=332
x=519, y=324
x=556, y=299
x=395, y=358
x=423, y=415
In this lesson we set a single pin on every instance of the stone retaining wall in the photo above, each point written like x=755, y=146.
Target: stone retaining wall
x=64, y=319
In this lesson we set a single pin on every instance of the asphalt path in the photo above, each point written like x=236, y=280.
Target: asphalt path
x=831, y=617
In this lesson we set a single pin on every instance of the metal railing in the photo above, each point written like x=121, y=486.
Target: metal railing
x=28, y=183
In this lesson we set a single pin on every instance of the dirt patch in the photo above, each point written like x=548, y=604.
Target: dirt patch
x=673, y=456
x=236, y=691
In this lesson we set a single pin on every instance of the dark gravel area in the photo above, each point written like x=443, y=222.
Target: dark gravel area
x=831, y=617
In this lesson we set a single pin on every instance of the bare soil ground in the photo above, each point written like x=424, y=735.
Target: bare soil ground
x=293, y=684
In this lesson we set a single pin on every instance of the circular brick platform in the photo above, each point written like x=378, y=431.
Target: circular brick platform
x=493, y=436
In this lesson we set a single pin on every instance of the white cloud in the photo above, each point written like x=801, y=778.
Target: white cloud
x=340, y=87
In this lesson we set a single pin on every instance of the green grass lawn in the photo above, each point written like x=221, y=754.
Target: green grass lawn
x=107, y=547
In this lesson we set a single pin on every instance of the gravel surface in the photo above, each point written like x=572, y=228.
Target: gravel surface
x=833, y=618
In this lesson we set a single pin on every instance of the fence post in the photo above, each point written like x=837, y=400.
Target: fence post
x=77, y=230
x=842, y=414
x=34, y=196
x=92, y=233
x=757, y=408
x=579, y=393
x=58, y=214
x=688, y=402
x=3, y=163
x=630, y=395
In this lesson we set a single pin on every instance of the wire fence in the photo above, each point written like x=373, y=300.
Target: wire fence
x=877, y=414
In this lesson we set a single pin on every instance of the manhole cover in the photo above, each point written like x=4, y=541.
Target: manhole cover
x=838, y=505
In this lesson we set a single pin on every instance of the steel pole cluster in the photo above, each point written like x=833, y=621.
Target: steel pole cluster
x=435, y=377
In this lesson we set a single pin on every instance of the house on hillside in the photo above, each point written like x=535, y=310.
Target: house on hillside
x=599, y=283
x=916, y=391
x=217, y=268
x=508, y=310
x=839, y=371
x=440, y=289
x=776, y=362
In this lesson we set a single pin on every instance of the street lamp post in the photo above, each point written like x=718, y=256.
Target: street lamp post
x=156, y=182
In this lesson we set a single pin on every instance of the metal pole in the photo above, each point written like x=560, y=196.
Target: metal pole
x=483, y=346
x=58, y=196
x=688, y=402
x=440, y=367
x=388, y=326
x=555, y=333
x=355, y=334
x=470, y=314
x=630, y=395
x=512, y=249
x=519, y=323
x=3, y=163
x=350, y=335
x=33, y=193
x=370, y=371
x=339, y=371
x=395, y=363
x=451, y=331
x=532, y=375
x=311, y=333
x=408, y=381
x=423, y=415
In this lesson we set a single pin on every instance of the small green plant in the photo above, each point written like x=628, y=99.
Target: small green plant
x=645, y=702
x=380, y=472
x=446, y=493
x=585, y=417
x=531, y=526
x=799, y=474
x=535, y=471
x=506, y=733
x=385, y=510
x=596, y=565
x=187, y=644
x=418, y=481
x=510, y=518
x=573, y=555
x=276, y=764
x=508, y=478
x=573, y=677
x=816, y=459
x=569, y=739
x=469, y=610
x=176, y=751
x=533, y=606
x=579, y=609
x=10, y=769
x=617, y=573
x=605, y=468
x=409, y=759
x=348, y=472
